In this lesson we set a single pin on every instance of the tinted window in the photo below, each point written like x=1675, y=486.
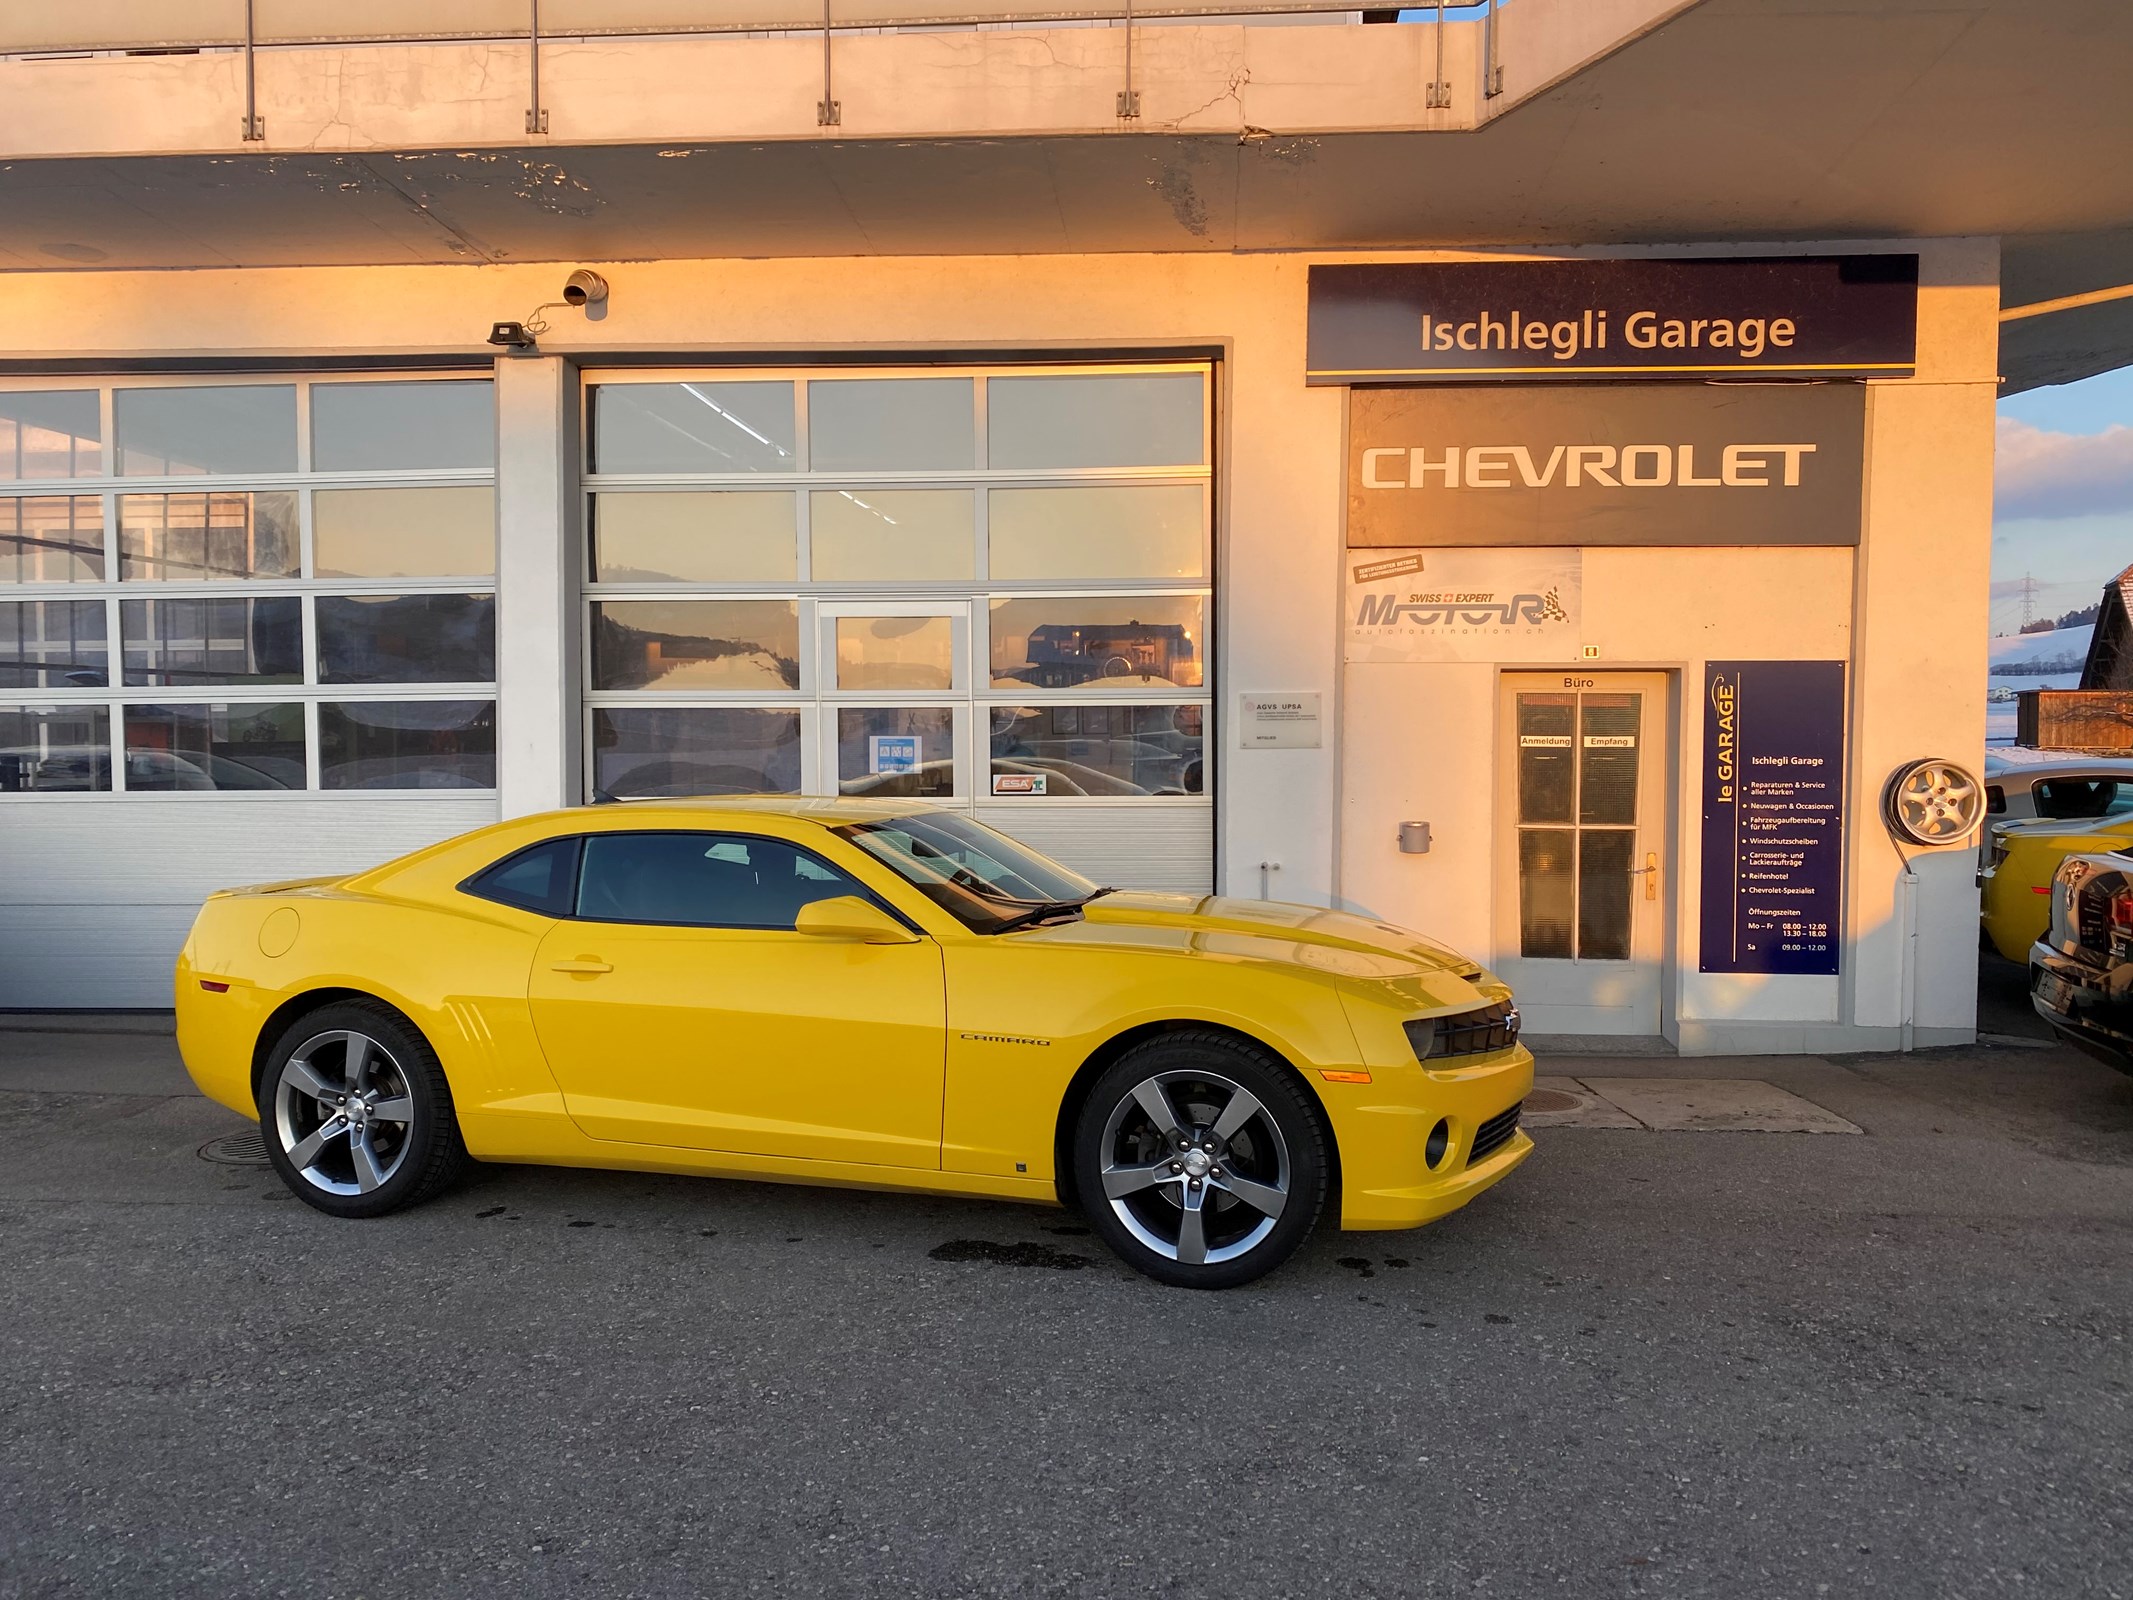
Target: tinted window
x=537, y=879
x=2068, y=799
x=703, y=880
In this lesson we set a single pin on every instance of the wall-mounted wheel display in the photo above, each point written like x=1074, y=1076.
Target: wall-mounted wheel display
x=1932, y=802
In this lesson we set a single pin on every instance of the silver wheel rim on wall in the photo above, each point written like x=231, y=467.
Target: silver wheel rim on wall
x=343, y=1112
x=1195, y=1167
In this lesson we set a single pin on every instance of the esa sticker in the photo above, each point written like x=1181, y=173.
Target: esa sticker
x=1018, y=782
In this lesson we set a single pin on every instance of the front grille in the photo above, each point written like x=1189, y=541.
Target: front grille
x=1493, y=1135
x=1465, y=1033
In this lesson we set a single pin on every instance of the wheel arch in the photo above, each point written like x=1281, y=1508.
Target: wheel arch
x=1100, y=1059
x=301, y=1004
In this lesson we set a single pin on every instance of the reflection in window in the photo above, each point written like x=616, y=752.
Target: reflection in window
x=900, y=753
x=695, y=750
x=421, y=426
x=54, y=749
x=702, y=880
x=53, y=644
x=407, y=744
x=51, y=434
x=1052, y=751
x=714, y=536
x=696, y=644
x=895, y=653
x=198, y=538
x=407, y=638
x=52, y=539
x=214, y=747
x=403, y=533
x=1102, y=532
x=1139, y=642
x=1138, y=419
x=891, y=425
x=693, y=427
x=169, y=433
x=212, y=641
x=891, y=535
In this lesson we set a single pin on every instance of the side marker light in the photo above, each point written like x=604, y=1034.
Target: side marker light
x=212, y=987
x=1332, y=1076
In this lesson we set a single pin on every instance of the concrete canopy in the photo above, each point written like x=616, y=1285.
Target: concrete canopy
x=1761, y=120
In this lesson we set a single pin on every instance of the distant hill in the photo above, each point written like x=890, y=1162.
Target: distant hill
x=2026, y=654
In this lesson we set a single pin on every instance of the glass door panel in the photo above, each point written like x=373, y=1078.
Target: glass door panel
x=1579, y=880
x=900, y=752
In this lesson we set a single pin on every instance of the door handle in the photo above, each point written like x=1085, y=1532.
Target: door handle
x=1649, y=872
x=583, y=967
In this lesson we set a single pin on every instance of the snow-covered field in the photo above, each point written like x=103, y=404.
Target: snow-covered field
x=2063, y=648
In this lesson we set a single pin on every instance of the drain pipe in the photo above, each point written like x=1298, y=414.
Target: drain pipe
x=1909, y=984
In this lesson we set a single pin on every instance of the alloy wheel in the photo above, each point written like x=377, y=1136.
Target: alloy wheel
x=1195, y=1167
x=343, y=1112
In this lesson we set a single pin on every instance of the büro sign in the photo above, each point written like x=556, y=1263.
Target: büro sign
x=1528, y=321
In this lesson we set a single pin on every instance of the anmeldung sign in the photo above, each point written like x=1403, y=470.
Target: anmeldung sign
x=1464, y=605
x=1616, y=464
x=1458, y=321
x=1291, y=721
x=1773, y=816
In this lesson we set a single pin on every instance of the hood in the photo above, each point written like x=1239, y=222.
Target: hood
x=1397, y=964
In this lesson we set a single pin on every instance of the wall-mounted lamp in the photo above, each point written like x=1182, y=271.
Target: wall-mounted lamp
x=510, y=335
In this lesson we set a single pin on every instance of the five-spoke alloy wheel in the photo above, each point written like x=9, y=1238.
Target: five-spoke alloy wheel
x=355, y=1111
x=1200, y=1160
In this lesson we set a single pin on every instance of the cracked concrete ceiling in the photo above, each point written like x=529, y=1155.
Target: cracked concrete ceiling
x=1742, y=119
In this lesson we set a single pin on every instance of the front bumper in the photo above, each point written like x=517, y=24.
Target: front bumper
x=1386, y=1178
x=2089, y=1007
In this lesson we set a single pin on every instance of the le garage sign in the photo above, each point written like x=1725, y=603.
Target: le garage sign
x=1527, y=321
x=1633, y=463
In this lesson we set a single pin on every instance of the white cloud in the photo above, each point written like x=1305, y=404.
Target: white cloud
x=2049, y=475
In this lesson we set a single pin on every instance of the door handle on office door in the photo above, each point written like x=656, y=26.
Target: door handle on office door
x=583, y=967
x=1649, y=872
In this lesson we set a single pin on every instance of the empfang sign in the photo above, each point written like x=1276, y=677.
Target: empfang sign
x=1629, y=466
x=1559, y=465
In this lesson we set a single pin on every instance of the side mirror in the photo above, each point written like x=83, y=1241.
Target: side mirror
x=849, y=917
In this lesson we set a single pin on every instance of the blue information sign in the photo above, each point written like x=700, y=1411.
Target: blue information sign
x=1773, y=816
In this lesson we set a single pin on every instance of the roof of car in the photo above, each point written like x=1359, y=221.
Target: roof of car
x=827, y=811
x=2021, y=758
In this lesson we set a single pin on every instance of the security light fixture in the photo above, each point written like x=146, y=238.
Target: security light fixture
x=511, y=335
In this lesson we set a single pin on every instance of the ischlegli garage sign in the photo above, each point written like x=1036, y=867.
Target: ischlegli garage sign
x=1851, y=316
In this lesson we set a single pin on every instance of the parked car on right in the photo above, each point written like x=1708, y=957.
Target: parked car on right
x=2040, y=807
x=2081, y=970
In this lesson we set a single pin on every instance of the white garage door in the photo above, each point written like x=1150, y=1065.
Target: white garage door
x=247, y=631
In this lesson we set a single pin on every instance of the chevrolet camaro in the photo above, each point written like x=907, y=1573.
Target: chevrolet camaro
x=874, y=994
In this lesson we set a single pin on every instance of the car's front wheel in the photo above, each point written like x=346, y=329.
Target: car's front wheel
x=355, y=1111
x=1200, y=1160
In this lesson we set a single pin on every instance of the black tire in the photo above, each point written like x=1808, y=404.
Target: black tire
x=1230, y=1172
x=387, y=1139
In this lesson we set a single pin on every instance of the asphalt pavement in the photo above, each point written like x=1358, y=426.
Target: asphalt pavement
x=1651, y=1363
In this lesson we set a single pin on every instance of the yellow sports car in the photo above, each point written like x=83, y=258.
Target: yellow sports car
x=867, y=993
x=2015, y=890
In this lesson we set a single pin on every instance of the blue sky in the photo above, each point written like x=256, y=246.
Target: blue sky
x=2064, y=512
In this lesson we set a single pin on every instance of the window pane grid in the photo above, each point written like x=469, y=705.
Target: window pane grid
x=162, y=585
x=1101, y=554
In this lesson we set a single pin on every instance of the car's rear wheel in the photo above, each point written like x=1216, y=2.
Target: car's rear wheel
x=1200, y=1160
x=355, y=1112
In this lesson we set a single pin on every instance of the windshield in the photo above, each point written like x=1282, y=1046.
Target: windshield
x=983, y=879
